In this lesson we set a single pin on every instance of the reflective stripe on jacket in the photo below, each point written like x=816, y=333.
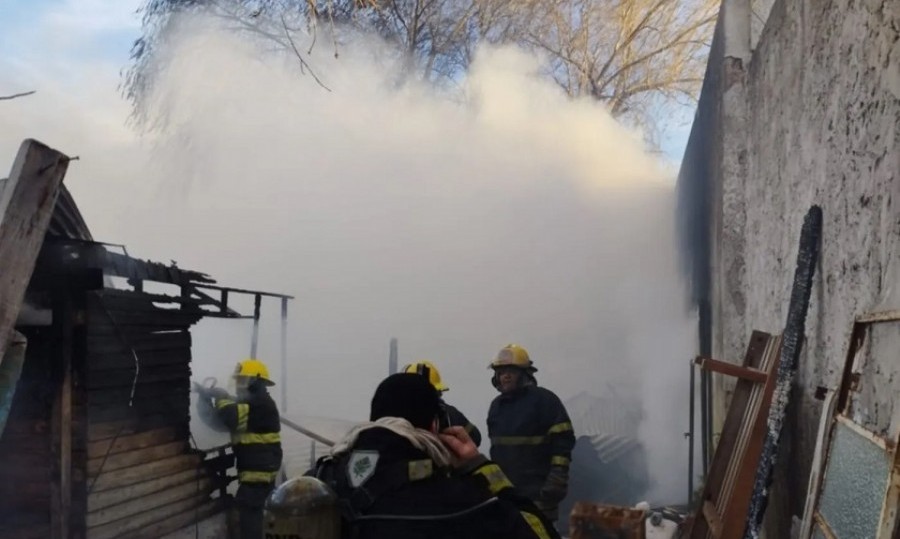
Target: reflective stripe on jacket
x=457, y=419
x=530, y=432
x=255, y=435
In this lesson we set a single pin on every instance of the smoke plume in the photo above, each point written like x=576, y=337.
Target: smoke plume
x=509, y=214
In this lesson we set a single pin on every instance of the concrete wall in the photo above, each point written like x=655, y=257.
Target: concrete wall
x=815, y=119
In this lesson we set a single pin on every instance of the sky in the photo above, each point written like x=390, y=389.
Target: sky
x=524, y=216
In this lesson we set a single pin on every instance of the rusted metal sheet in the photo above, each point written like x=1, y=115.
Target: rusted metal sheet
x=599, y=521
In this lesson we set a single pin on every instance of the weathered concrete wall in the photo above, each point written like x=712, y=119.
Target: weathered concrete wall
x=812, y=118
x=824, y=100
x=823, y=97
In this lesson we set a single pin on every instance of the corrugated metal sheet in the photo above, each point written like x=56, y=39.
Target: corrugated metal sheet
x=610, y=447
x=614, y=416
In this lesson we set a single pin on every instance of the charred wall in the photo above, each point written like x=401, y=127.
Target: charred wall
x=143, y=478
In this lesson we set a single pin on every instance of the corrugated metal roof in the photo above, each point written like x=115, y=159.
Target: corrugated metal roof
x=613, y=413
x=610, y=447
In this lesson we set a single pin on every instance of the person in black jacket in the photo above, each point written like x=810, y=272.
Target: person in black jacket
x=255, y=425
x=396, y=477
x=454, y=417
x=530, y=431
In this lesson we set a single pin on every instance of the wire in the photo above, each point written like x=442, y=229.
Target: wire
x=448, y=516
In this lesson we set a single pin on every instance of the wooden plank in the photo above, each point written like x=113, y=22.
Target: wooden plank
x=199, y=486
x=28, y=489
x=744, y=475
x=103, y=339
x=181, y=520
x=168, y=318
x=124, y=358
x=26, y=204
x=98, y=431
x=176, y=405
x=126, y=526
x=133, y=442
x=712, y=519
x=117, y=396
x=16, y=460
x=730, y=369
x=135, y=474
x=730, y=479
x=731, y=428
x=147, y=375
x=107, y=498
x=26, y=531
x=133, y=458
x=65, y=313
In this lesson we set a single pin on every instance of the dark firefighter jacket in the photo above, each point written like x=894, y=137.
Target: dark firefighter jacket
x=255, y=434
x=532, y=440
x=402, y=486
x=457, y=419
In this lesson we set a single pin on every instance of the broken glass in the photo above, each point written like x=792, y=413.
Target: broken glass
x=855, y=484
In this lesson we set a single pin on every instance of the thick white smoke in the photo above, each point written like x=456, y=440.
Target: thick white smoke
x=517, y=216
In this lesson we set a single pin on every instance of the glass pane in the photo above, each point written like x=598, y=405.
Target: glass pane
x=855, y=484
x=817, y=534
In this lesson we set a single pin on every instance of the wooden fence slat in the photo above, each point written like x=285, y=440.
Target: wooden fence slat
x=125, y=527
x=124, y=358
x=192, y=489
x=136, y=474
x=100, y=430
x=106, y=498
x=181, y=520
x=133, y=458
x=147, y=375
x=175, y=406
x=103, y=337
x=132, y=442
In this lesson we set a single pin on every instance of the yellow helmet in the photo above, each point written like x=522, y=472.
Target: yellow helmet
x=253, y=368
x=513, y=355
x=427, y=369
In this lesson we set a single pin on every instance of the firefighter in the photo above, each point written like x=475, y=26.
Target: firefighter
x=255, y=425
x=530, y=431
x=397, y=477
x=455, y=418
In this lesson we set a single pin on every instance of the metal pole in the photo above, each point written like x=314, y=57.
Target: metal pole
x=704, y=421
x=691, y=435
x=392, y=359
x=284, y=375
x=253, y=344
x=710, y=423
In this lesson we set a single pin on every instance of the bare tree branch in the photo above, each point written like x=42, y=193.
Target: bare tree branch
x=299, y=56
x=634, y=55
x=14, y=96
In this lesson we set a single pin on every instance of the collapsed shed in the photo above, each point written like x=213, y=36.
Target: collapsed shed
x=609, y=462
x=95, y=380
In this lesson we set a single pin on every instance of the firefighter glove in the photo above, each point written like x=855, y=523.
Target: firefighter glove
x=556, y=485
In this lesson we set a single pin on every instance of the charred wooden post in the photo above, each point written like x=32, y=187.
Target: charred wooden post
x=26, y=205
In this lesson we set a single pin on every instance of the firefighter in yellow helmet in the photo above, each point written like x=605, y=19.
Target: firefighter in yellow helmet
x=451, y=416
x=255, y=425
x=530, y=431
